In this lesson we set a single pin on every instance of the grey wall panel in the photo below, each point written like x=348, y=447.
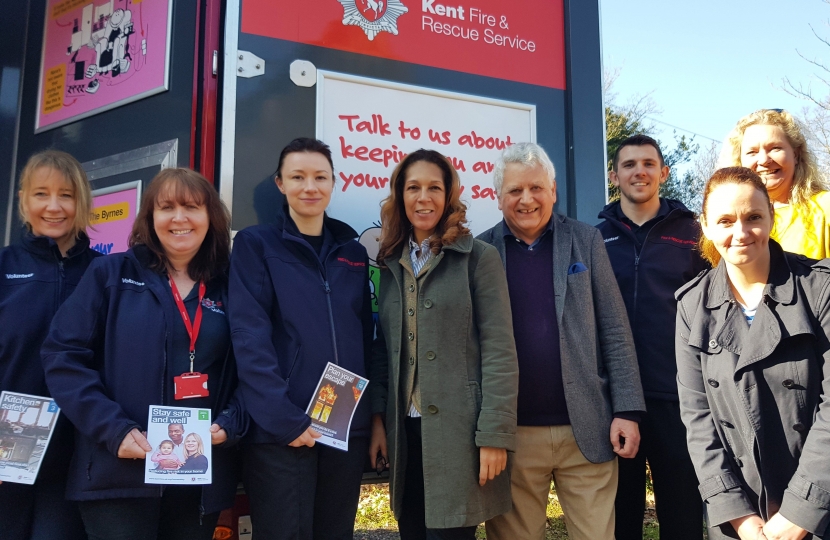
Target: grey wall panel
x=12, y=50
x=586, y=114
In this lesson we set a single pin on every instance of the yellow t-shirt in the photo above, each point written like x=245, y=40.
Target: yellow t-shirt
x=805, y=230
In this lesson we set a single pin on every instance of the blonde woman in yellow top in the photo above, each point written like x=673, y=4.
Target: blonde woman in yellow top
x=771, y=143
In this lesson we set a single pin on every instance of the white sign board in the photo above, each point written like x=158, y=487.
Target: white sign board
x=371, y=125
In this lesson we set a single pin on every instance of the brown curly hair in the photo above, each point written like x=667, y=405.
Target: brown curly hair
x=395, y=226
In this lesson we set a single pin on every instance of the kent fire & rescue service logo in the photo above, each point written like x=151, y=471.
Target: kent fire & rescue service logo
x=373, y=16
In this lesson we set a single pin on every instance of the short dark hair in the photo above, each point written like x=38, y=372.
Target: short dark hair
x=304, y=144
x=186, y=185
x=637, y=140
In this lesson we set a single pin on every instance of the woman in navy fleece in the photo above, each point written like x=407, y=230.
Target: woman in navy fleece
x=118, y=344
x=36, y=276
x=300, y=293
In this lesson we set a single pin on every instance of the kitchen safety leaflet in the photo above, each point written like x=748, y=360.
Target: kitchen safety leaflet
x=26, y=427
x=333, y=405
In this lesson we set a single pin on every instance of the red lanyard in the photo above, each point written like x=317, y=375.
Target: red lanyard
x=192, y=330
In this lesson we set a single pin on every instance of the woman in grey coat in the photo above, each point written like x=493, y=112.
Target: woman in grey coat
x=444, y=375
x=752, y=348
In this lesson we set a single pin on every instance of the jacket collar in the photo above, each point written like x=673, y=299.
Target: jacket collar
x=462, y=245
x=780, y=286
x=341, y=231
x=562, y=241
x=47, y=247
x=670, y=209
x=779, y=315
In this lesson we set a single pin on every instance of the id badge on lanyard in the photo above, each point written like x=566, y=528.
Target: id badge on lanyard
x=191, y=384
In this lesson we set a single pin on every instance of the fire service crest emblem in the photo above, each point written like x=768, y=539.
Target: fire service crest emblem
x=373, y=16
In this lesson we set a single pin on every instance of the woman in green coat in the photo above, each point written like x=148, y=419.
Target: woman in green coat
x=444, y=371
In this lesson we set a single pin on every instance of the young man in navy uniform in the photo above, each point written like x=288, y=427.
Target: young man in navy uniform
x=651, y=242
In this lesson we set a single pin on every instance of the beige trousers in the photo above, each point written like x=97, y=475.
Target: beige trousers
x=586, y=490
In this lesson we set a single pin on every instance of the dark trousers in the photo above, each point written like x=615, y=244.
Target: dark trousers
x=412, y=524
x=38, y=512
x=303, y=493
x=173, y=516
x=677, y=499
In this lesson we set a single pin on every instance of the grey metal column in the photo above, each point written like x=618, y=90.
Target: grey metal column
x=586, y=116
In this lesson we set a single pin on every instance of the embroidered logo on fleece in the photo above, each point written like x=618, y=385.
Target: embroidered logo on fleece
x=19, y=276
x=215, y=307
x=682, y=241
x=350, y=263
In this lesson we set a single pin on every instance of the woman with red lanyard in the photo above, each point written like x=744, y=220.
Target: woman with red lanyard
x=148, y=327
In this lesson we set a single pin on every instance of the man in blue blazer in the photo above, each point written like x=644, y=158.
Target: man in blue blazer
x=580, y=397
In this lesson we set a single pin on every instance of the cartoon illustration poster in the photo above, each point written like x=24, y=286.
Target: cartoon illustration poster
x=113, y=214
x=101, y=54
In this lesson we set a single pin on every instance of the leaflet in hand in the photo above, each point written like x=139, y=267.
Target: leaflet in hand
x=180, y=437
x=26, y=426
x=333, y=405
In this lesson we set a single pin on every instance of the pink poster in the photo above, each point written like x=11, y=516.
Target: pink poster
x=112, y=220
x=101, y=54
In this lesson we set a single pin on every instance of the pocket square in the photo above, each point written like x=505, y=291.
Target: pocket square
x=576, y=268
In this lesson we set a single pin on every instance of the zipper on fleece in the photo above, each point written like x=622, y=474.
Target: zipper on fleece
x=331, y=321
x=321, y=265
x=61, y=283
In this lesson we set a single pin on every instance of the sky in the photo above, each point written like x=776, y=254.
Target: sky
x=707, y=63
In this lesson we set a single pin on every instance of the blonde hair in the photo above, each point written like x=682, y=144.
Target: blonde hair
x=200, y=449
x=807, y=180
x=69, y=167
x=727, y=175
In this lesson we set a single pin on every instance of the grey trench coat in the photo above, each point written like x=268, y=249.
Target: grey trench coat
x=755, y=398
x=468, y=375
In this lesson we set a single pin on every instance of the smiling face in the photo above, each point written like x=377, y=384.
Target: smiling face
x=307, y=181
x=766, y=150
x=526, y=200
x=424, y=198
x=175, y=432
x=181, y=225
x=639, y=173
x=191, y=445
x=738, y=221
x=49, y=206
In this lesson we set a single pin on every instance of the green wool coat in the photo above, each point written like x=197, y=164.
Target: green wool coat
x=468, y=376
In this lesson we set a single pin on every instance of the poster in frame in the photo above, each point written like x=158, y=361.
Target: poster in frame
x=114, y=210
x=101, y=54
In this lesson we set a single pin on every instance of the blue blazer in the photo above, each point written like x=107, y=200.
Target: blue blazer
x=106, y=362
